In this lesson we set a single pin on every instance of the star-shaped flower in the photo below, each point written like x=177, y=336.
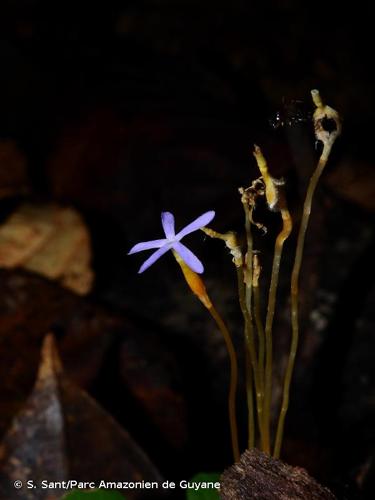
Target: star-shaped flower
x=172, y=241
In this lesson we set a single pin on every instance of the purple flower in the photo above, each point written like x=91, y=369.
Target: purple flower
x=173, y=241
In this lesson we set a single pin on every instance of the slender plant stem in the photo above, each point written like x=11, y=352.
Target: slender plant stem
x=197, y=286
x=280, y=240
x=233, y=380
x=248, y=348
x=249, y=260
x=250, y=401
x=249, y=331
x=260, y=332
x=294, y=294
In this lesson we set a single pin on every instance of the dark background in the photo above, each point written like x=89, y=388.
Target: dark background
x=125, y=109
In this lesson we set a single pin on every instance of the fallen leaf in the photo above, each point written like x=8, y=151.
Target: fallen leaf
x=49, y=240
x=23, y=234
x=31, y=305
x=102, y=351
x=62, y=433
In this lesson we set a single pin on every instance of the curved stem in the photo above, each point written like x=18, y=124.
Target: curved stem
x=294, y=294
x=197, y=286
x=233, y=380
x=280, y=240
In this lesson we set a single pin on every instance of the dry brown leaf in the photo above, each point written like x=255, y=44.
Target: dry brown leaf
x=23, y=234
x=49, y=240
x=62, y=434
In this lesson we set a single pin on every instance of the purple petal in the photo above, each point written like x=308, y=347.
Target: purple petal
x=201, y=221
x=147, y=245
x=167, y=220
x=154, y=257
x=189, y=258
